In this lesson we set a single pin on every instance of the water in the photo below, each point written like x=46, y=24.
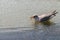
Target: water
x=15, y=22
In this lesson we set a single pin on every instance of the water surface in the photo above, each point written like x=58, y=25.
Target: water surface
x=15, y=23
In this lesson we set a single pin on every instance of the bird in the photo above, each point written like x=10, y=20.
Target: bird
x=44, y=17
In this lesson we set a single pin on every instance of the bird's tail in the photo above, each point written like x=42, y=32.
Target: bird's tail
x=54, y=12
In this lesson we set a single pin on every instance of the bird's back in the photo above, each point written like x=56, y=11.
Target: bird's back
x=45, y=19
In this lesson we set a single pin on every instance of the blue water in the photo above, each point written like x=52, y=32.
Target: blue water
x=39, y=33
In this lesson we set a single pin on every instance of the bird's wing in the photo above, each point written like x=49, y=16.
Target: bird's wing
x=42, y=16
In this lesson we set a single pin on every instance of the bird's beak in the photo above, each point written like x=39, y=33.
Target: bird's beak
x=32, y=17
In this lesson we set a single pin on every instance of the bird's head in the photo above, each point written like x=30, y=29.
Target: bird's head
x=35, y=16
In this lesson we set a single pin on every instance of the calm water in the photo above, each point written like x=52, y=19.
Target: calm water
x=15, y=18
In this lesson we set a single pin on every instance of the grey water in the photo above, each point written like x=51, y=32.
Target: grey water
x=15, y=22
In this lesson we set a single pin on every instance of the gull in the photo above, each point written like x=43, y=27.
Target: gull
x=44, y=17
